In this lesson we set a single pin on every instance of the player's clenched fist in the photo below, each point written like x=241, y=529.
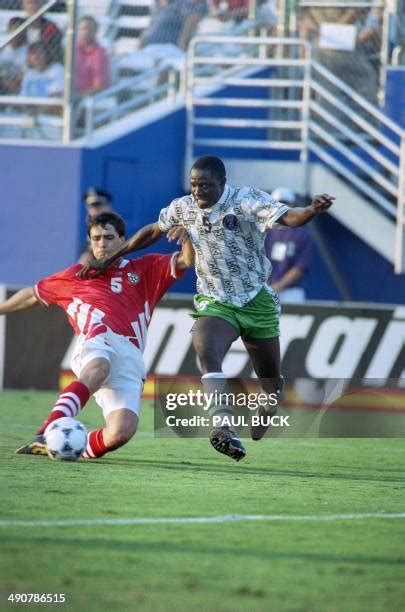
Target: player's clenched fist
x=321, y=202
x=177, y=234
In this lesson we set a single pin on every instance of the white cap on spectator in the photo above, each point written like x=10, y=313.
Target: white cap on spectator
x=284, y=194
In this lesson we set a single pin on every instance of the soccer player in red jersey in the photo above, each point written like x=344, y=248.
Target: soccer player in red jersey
x=111, y=315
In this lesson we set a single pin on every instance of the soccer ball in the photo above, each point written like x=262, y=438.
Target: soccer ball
x=65, y=439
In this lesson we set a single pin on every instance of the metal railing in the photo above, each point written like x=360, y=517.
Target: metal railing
x=29, y=116
x=316, y=113
x=362, y=145
x=129, y=95
x=208, y=75
x=32, y=118
x=359, y=131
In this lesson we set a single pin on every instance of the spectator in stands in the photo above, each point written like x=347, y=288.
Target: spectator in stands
x=353, y=58
x=92, y=66
x=362, y=64
x=289, y=251
x=10, y=78
x=43, y=78
x=16, y=50
x=97, y=201
x=174, y=22
x=266, y=14
x=159, y=43
x=237, y=10
x=193, y=11
x=44, y=30
x=369, y=36
x=216, y=21
x=165, y=26
x=13, y=59
x=307, y=25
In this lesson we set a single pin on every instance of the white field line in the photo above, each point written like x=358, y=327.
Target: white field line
x=227, y=518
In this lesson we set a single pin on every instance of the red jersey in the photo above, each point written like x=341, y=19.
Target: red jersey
x=92, y=67
x=122, y=297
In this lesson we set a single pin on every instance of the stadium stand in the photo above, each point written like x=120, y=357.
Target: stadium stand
x=347, y=41
x=257, y=96
x=6, y=15
x=128, y=20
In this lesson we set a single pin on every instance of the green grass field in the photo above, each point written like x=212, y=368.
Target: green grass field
x=307, y=560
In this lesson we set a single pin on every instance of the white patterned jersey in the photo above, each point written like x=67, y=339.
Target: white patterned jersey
x=231, y=263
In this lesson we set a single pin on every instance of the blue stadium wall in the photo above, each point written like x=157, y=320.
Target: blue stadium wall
x=39, y=189
x=42, y=217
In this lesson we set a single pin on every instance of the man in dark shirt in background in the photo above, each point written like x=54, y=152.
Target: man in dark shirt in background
x=289, y=251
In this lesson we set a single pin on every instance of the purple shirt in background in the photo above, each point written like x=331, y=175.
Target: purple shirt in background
x=287, y=248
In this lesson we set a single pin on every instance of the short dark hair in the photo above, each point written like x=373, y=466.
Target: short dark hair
x=36, y=46
x=95, y=196
x=209, y=162
x=107, y=218
x=14, y=22
x=89, y=18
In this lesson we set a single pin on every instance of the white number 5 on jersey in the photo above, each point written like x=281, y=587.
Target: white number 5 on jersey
x=116, y=285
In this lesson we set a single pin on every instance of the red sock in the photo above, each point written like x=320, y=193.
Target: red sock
x=69, y=403
x=95, y=445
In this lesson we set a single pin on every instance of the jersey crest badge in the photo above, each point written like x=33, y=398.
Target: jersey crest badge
x=230, y=222
x=133, y=278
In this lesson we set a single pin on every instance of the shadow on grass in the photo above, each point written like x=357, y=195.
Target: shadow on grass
x=224, y=465
x=164, y=547
x=245, y=468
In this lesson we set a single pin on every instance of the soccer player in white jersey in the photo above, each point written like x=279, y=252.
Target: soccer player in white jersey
x=110, y=315
x=227, y=227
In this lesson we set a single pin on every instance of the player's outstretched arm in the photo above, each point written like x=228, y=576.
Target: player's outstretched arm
x=24, y=298
x=143, y=238
x=295, y=217
x=147, y=235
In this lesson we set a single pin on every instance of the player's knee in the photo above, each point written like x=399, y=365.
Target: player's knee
x=102, y=371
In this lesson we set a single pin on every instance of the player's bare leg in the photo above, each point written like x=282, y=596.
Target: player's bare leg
x=120, y=426
x=212, y=338
x=265, y=356
x=72, y=399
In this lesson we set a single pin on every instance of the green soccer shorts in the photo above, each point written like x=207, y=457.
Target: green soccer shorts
x=259, y=318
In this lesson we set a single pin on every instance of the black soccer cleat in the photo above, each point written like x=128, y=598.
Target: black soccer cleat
x=259, y=427
x=226, y=441
x=37, y=447
x=261, y=420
